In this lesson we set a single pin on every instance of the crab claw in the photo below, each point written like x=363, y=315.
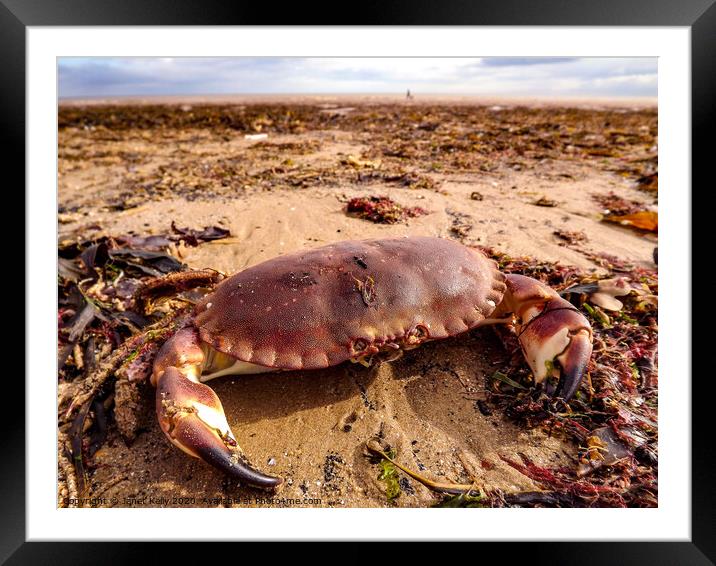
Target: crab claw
x=191, y=415
x=555, y=337
x=558, y=361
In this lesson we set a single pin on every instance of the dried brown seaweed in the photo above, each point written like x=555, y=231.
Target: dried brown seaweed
x=406, y=145
x=106, y=333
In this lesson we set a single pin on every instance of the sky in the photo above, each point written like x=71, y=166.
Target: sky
x=81, y=77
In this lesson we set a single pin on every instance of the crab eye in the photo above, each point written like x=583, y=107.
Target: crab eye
x=420, y=332
x=417, y=335
x=360, y=345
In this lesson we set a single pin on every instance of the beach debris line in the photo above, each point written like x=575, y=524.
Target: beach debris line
x=382, y=210
x=173, y=283
x=435, y=137
x=430, y=139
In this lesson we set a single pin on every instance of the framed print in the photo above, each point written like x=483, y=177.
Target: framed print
x=324, y=282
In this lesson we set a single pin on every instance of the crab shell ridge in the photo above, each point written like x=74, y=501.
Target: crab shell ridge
x=317, y=308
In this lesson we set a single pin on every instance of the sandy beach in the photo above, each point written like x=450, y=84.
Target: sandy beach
x=504, y=174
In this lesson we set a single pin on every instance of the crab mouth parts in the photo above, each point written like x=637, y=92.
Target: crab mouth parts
x=367, y=353
x=384, y=352
x=384, y=355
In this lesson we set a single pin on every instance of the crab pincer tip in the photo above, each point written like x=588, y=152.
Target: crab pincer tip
x=235, y=465
x=191, y=416
x=573, y=361
x=192, y=433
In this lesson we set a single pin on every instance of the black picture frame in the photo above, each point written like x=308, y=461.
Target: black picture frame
x=698, y=15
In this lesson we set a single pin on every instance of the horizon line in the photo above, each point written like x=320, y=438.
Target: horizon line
x=401, y=94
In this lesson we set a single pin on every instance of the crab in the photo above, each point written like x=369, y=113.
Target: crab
x=356, y=301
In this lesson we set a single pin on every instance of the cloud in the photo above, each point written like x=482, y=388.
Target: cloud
x=525, y=61
x=515, y=76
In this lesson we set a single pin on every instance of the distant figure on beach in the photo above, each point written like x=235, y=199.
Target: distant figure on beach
x=408, y=96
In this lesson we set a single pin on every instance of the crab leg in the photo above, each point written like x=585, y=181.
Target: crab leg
x=555, y=337
x=191, y=415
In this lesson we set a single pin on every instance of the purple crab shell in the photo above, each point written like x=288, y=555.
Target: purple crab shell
x=317, y=308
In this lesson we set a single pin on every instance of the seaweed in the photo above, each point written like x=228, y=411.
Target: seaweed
x=194, y=237
x=463, y=500
x=382, y=210
x=406, y=146
x=613, y=204
x=389, y=475
x=499, y=376
x=627, y=212
x=612, y=418
x=571, y=237
x=106, y=333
